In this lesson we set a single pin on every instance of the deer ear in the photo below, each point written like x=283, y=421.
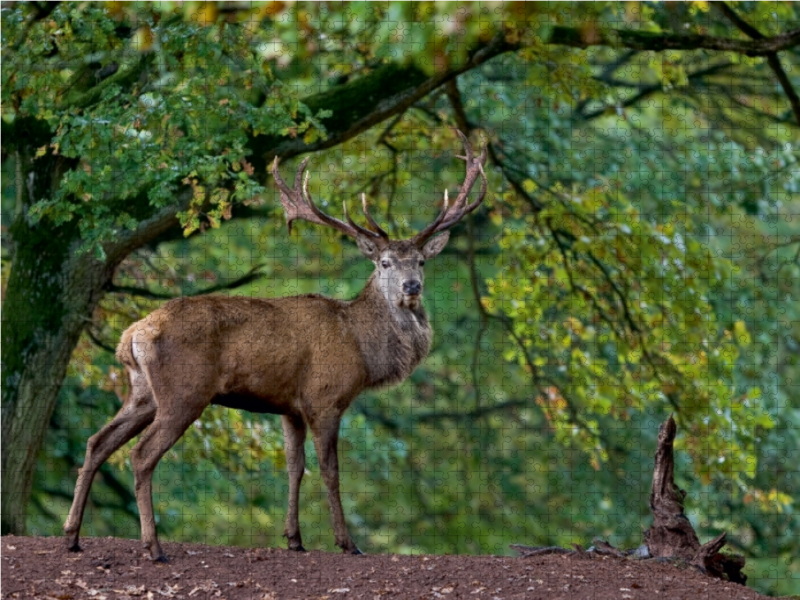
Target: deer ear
x=436, y=245
x=368, y=247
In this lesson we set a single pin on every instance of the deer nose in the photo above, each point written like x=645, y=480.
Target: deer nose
x=412, y=288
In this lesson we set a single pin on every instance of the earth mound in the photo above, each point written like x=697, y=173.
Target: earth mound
x=112, y=569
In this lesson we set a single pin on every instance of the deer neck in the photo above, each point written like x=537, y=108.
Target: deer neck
x=393, y=339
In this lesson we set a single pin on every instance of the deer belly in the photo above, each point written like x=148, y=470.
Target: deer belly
x=248, y=402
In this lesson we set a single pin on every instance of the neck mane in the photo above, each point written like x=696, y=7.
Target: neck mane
x=393, y=339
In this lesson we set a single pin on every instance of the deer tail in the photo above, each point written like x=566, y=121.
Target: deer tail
x=125, y=349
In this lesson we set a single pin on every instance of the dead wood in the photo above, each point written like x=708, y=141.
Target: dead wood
x=527, y=551
x=604, y=548
x=671, y=535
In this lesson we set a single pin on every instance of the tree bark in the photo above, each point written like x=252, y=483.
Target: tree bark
x=51, y=295
x=43, y=316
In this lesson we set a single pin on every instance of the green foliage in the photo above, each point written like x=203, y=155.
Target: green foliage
x=187, y=126
x=603, y=344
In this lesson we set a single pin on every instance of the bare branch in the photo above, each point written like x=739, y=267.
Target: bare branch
x=657, y=42
x=98, y=342
x=252, y=275
x=772, y=57
x=649, y=90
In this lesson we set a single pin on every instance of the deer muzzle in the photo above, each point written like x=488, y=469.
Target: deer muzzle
x=412, y=287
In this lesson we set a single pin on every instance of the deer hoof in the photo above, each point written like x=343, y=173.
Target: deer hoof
x=161, y=559
x=354, y=551
x=294, y=542
x=73, y=546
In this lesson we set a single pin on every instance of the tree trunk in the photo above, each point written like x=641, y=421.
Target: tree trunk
x=49, y=298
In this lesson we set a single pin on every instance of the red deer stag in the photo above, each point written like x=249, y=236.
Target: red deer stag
x=305, y=358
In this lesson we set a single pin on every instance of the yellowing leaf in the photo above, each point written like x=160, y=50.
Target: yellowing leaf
x=573, y=324
x=741, y=333
x=142, y=39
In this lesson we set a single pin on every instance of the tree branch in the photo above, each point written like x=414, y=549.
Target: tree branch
x=384, y=93
x=357, y=105
x=392, y=89
x=460, y=114
x=470, y=416
x=649, y=90
x=98, y=342
x=162, y=221
x=772, y=58
x=657, y=42
x=252, y=275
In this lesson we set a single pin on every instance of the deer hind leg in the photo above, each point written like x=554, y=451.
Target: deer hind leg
x=137, y=412
x=294, y=437
x=326, y=439
x=171, y=421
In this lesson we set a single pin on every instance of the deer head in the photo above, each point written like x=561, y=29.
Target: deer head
x=398, y=263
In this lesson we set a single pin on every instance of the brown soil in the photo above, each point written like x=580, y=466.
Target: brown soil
x=111, y=568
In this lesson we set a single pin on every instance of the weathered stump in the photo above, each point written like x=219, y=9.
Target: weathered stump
x=671, y=535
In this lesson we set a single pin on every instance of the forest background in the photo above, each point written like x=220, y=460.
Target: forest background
x=636, y=256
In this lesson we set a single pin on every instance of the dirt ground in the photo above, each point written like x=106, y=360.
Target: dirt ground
x=111, y=568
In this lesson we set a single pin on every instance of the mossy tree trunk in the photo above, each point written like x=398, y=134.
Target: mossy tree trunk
x=48, y=299
x=49, y=295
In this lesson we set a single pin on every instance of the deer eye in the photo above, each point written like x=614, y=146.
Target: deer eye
x=421, y=263
x=386, y=264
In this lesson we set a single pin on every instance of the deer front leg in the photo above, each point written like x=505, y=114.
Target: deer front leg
x=294, y=437
x=326, y=438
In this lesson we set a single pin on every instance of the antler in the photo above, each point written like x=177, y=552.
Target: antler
x=298, y=204
x=452, y=214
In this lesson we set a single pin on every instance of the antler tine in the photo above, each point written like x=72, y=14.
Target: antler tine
x=468, y=155
x=285, y=189
x=475, y=204
x=377, y=228
x=453, y=214
x=297, y=202
x=359, y=228
x=474, y=168
x=426, y=233
x=352, y=228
